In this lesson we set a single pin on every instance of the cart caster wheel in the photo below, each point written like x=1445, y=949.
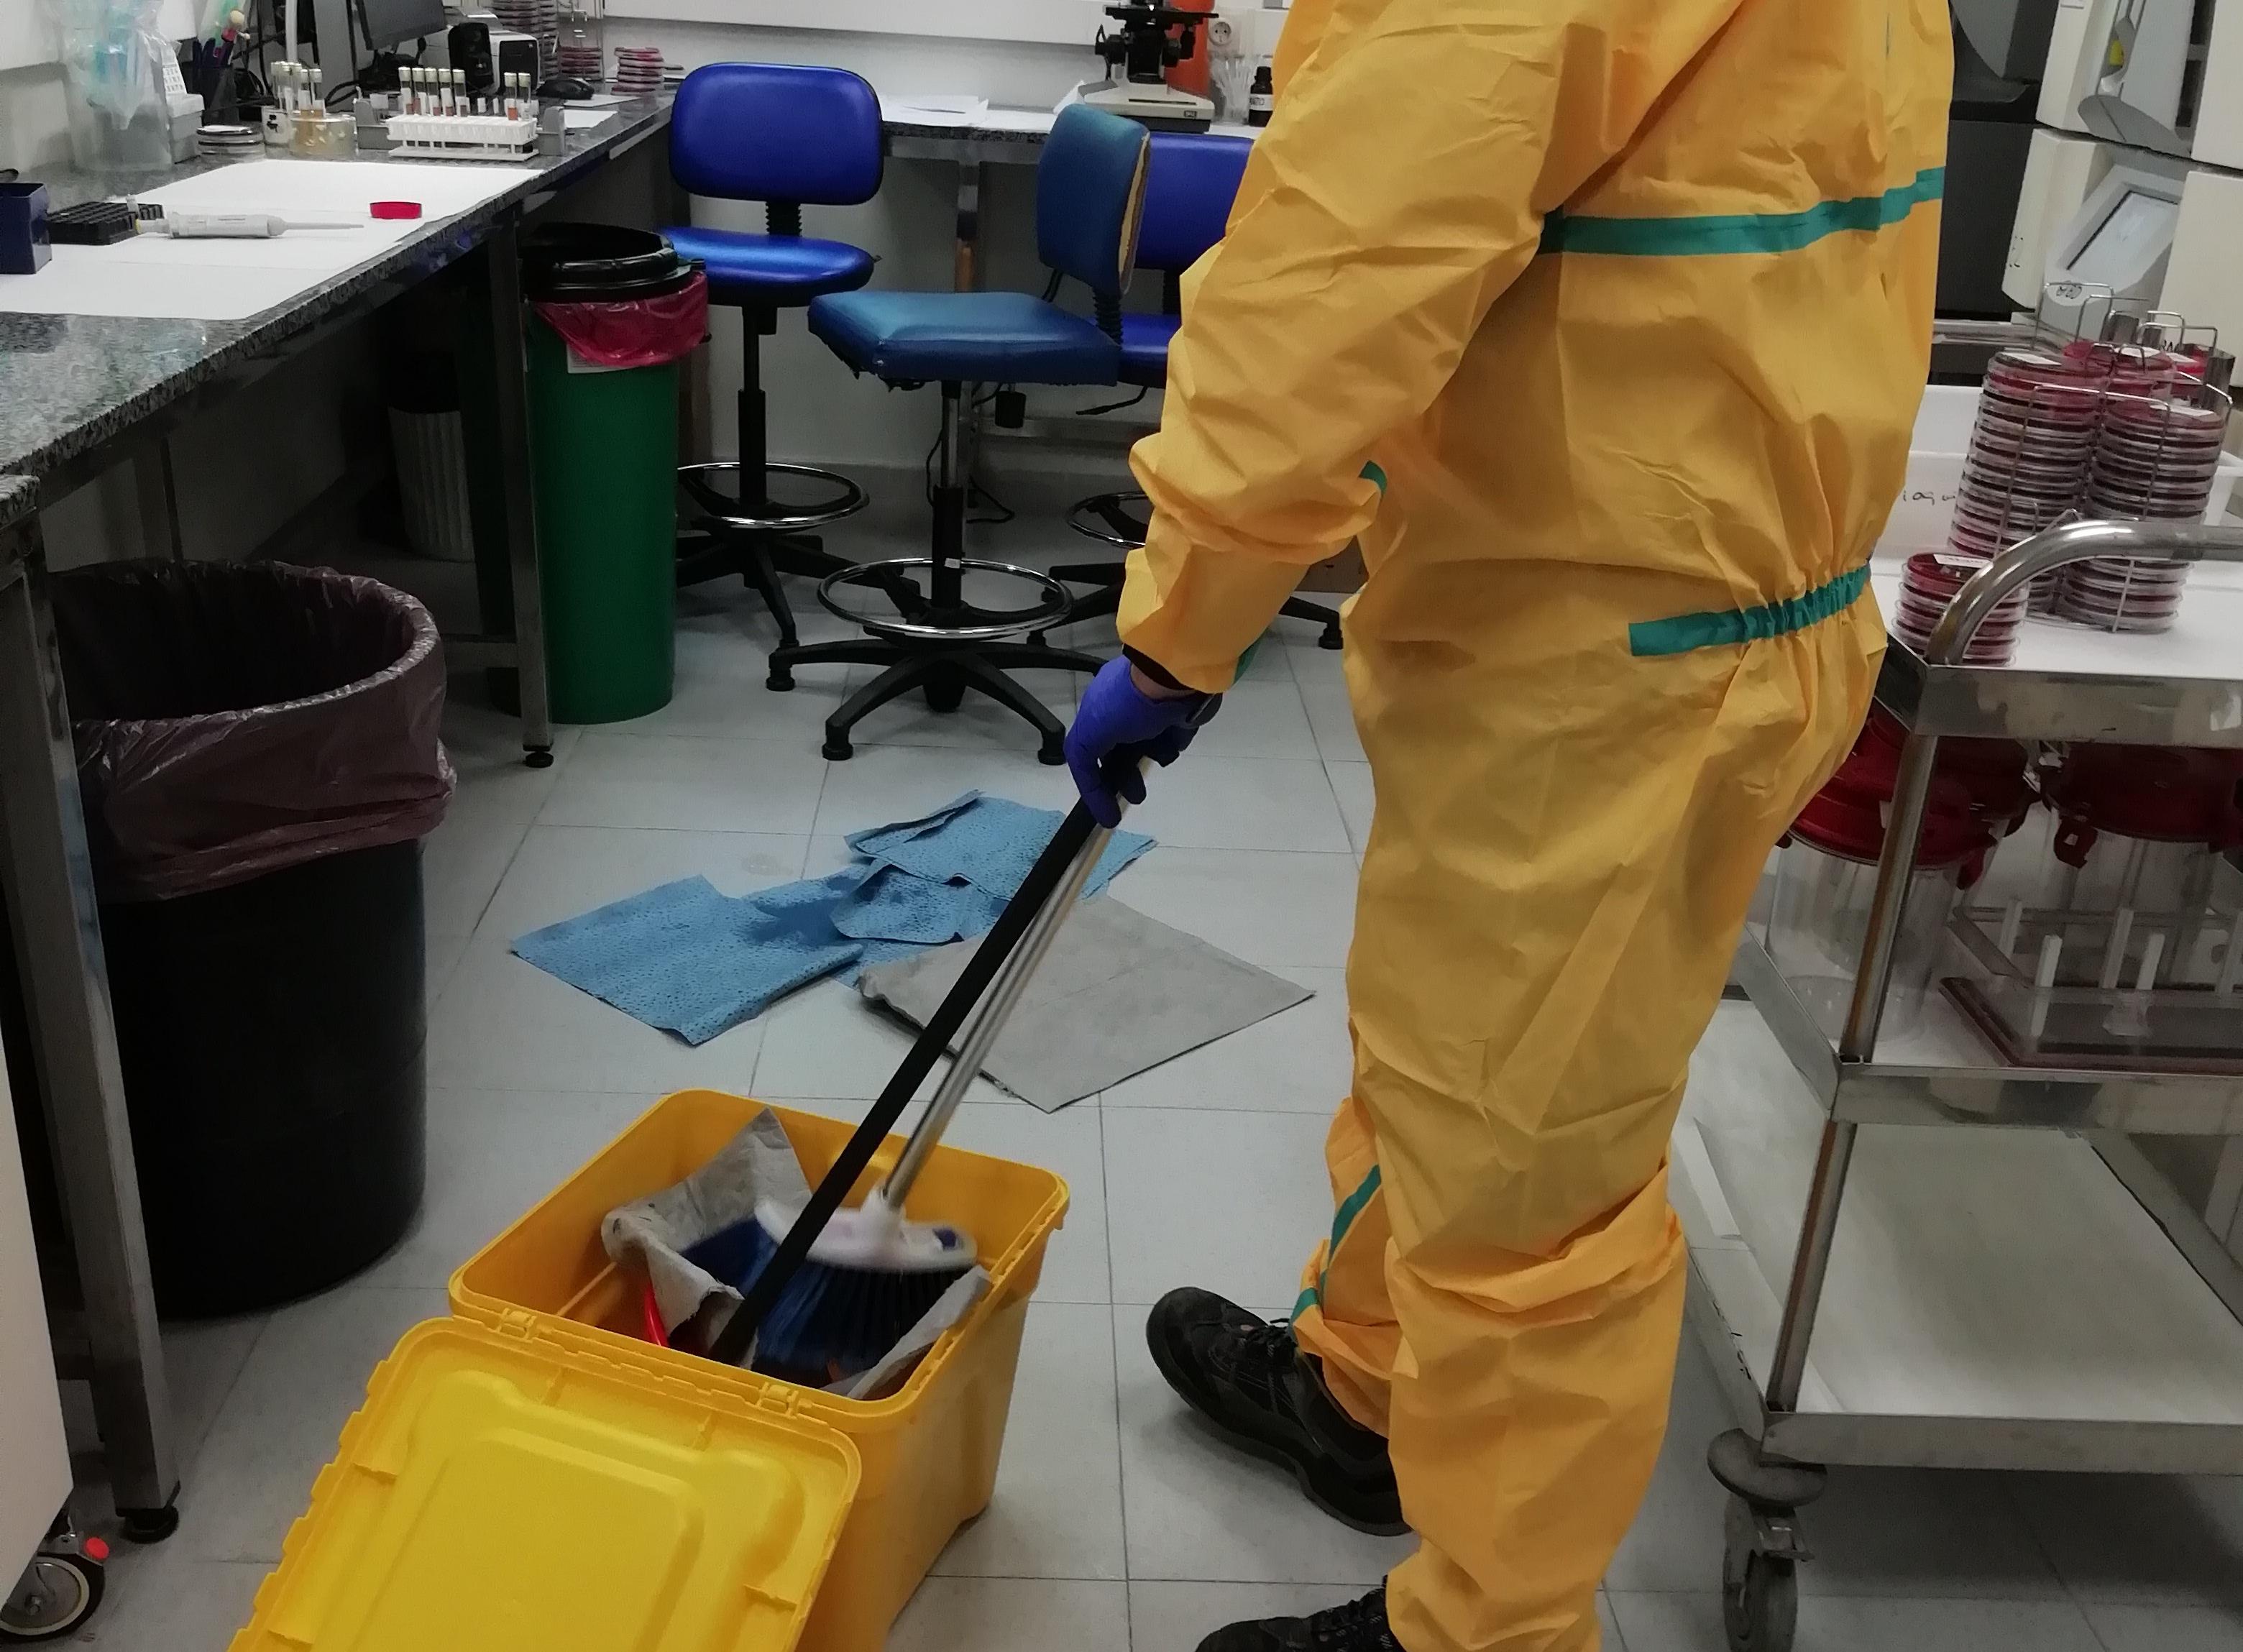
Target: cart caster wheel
x=1052, y=753
x=780, y=682
x=1039, y=639
x=154, y=1525
x=1331, y=637
x=1760, y=1592
x=538, y=757
x=944, y=693
x=837, y=751
x=56, y=1595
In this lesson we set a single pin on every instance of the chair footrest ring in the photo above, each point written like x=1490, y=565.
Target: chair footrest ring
x=1118, y=519
x=920, y=619
x=844, y=498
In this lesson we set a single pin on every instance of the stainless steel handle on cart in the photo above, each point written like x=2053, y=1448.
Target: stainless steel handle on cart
x=2026, y=560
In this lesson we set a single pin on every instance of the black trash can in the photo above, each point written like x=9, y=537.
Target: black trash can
x=259, y=757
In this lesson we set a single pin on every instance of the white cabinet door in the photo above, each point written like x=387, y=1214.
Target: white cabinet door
x=35, y=1473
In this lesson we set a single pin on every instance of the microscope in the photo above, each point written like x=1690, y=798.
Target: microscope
x=1141, y=51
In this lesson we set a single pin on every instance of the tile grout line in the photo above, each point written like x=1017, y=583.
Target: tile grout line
x=1114, y=1351
x=809, y=841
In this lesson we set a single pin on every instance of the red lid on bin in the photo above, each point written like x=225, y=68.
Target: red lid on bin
x=1847, y=817
x=2173, y=794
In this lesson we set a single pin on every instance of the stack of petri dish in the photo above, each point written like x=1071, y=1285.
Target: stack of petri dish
x=2024, y=471
x=2156, y=456
x=1929, y=583
x=638, y=71
x=581, y=58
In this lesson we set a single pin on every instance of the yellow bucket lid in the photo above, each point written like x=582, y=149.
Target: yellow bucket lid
x=503, y=1495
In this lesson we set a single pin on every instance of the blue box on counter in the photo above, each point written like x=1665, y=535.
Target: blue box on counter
x=23, y=248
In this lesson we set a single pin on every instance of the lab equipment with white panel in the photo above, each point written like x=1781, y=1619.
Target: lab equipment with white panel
x=2139, y=100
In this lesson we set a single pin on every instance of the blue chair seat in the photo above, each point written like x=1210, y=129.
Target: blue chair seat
x=771, y=271
x=932, y=338
x=1145, y=348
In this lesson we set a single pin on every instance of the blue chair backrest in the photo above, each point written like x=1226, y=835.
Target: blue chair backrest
x=1090, y=190
x=1190, y=185
x=770, y=132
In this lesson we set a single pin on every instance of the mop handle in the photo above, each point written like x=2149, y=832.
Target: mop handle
x=990, y=1018
x=1051, y=868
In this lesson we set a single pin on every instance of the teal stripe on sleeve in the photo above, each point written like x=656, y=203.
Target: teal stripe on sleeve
x=1723, y=626
x=1718, y=233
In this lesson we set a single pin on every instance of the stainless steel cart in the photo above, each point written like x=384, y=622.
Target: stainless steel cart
x=2033, y=1297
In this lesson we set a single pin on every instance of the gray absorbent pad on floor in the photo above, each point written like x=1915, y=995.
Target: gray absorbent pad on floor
x=1117, y=994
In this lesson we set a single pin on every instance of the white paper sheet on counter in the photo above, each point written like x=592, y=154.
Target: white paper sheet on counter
x=231, y=280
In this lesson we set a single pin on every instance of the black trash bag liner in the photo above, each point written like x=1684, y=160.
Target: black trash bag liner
x=233, y=720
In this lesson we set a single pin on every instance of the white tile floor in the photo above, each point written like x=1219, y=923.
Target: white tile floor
x=1117, y=1526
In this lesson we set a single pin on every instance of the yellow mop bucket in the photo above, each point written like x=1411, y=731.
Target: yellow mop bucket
x=929, y=1451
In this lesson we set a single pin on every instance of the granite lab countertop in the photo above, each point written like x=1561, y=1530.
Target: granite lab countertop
x=70, y=383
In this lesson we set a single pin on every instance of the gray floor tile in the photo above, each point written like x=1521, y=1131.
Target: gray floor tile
x=306, y=1376
x=1233, y=1201
x=678, y=783
x=1323, y=691
x=168, y=1601
x=1057, y=1510
x=2166, y=1629
x=1014, y=1614
x=492, y=1155
x=1350, y=782
x=1271, y=908
x=2153, y=1541
x=1692, y=1622
x=202, y=1360
x=1243, y=803
x=1260, y=718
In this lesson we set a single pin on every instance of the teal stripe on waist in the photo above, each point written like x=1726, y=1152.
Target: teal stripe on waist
x=1718, y=233
x=1721, y=627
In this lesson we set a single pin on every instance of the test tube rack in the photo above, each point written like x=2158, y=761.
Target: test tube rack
x=501, y=138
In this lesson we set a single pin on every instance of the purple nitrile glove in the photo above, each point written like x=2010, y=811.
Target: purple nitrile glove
x=1117, y=723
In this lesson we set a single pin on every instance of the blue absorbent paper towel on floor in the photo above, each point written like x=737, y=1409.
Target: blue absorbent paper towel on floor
x=690, y=959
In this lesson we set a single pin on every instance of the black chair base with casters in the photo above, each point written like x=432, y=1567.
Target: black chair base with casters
x=1120, y=519
x=937, y=642
x=743, y=531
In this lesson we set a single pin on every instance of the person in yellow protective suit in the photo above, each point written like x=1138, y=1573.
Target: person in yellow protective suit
x=1601, y=324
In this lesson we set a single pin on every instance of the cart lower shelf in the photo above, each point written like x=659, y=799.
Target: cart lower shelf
x=1995, y=1297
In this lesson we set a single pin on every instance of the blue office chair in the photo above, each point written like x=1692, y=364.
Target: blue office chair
x=1189, y=186
x=1090, y=187
x=786, y=135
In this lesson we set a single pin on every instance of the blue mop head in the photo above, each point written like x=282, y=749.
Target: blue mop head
x=869, y=1278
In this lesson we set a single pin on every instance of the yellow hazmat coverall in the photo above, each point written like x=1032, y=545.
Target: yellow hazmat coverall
x=1603, y=324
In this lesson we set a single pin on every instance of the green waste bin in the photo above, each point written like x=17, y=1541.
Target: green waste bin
x=613, y=312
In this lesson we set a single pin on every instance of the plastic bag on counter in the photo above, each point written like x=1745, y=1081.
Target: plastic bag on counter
x=113, y=53
x=233, y=720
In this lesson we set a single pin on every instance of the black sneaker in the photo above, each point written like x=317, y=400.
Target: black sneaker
x=1359, y=1626
x=1262, y=1395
